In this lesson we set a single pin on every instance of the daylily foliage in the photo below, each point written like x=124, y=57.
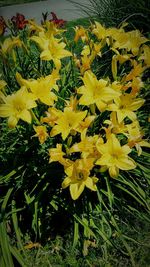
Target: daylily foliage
x=93, y=122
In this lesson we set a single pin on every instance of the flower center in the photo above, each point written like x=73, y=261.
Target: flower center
x=19, y=106
x=80, y=176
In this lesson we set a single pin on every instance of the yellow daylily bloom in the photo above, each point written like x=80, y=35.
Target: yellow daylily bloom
x=21, y=81
x=31, y=245
x=96, y=92
x=2, y=89
x=117, y=86
x=118, y=58
x=41, y=133
x=2, y=97
x=96, y=49
x=115, y=34
x=100, y=31
x=78, y=177
x=84, y=125
x=131, y=41
x=136, y=39
x=135, y=72
x=41, y=87
x=135, y=135
x=9, y=43
x=72, y=103
x=2, y=84
x=88, y=54
x=80, y=32
x=67, y=121
x=52, y=116
x=33, y=26
x=52, y=49
x=51, y=29
x=125, y=106
x=114, y=156
x=87, y=147
x=136, y=85
x=47, y=30
x=86, y=59
x=145, y=55
x=114, y=126
x=17, y=106
x=56, y=154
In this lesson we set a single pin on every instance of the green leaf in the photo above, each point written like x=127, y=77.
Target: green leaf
x=16, y=227
x=4, y=246
x=18, y=256
x=75, y=234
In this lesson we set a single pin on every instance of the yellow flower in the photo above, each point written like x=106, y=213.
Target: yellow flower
x=80, y=32
x=136, y=71
x=114, y=156
x=31, y=245
x=51, y=29
x=115, y=34
x=33, y=26
x=2, y=89
x=2, y=98
x=131, y=41
x=100, y=31
x=9, y=43
x=2, y=84
x=125, y=105
x=41, y=133
x=146, y=55
x=52, y=49
x=118, y=58
x=67, y=121
x=78, y=177
x=87, y=146
x=83, y=126
x=96, y=92
x=52, y=116
x=114, y=126
x=17, y=106
x=86, y=59
x=57, y=154
x=135, y=136
x=72, y=103
x=41, y=88
x=117, y=86
x=136, y=85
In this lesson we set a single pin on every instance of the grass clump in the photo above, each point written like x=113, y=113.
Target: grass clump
x=115, y=12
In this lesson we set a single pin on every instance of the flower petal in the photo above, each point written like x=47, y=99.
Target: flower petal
x=12, y=122
x=113, y=171
x=90, y=184
x=76, y=190
x=125, y=163
x=66, y=182
x=25, y=115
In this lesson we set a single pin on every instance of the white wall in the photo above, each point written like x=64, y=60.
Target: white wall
x=64, y=9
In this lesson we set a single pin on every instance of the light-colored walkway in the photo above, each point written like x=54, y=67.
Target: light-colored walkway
x=64, y=9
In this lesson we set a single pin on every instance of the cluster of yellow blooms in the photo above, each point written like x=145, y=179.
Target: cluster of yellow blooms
x=84, y=151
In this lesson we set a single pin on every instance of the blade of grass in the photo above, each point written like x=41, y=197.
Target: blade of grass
x=4, y=244
x=16, y=227
x=18, y=256
x=76, y=234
